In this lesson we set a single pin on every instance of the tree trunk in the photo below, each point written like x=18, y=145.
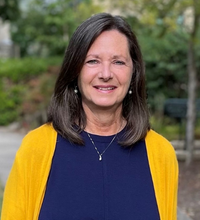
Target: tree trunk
x=192, y=84
x=191, y=104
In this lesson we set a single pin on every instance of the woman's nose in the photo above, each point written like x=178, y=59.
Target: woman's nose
x=105, y=72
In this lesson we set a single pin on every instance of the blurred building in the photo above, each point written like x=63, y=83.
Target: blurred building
x=7, y=48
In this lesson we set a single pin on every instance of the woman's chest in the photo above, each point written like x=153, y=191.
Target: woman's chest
x=82, y=187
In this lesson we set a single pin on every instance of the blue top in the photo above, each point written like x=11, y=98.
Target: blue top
x=80, y=187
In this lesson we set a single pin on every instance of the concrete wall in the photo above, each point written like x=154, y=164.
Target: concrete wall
x=7, y=49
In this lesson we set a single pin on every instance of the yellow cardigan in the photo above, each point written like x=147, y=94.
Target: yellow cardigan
x=25, y=188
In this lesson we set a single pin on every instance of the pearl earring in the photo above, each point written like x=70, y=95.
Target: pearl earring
x=130, y=92
x=76, y=90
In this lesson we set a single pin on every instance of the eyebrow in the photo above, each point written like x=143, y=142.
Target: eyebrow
x=119, y=56
x=113, y=57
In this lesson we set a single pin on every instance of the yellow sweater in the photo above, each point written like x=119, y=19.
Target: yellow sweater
x=25, y=188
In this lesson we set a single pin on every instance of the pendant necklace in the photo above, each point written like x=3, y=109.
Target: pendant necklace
x=101, y=154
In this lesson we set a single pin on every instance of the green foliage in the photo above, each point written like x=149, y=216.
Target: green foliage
x=164, y=36
x=46, y=26
x=165, y=62
x=166, y=65
x=17, y=83
x=17, y=70
x=167, y=127
x=11, y=98
x=9, y=10
x=21, y=69
x=171, y=128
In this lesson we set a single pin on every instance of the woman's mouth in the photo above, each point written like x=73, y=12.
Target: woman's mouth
x=105, y=88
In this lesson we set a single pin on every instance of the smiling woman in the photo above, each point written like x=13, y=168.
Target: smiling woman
x=108, y=50
x=96, y=157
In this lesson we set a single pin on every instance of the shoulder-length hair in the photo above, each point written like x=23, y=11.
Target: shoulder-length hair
x=66, y=112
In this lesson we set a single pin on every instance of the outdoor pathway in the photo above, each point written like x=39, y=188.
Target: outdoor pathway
x=9, y=143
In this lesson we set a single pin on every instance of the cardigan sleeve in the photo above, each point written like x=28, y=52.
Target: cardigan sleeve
x=164, y=170
x=26, y=183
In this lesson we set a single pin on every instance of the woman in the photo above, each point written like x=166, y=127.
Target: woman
x=97, y=157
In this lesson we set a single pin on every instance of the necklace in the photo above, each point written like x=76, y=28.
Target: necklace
x=101, y=154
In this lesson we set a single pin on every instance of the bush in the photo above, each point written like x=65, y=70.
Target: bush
x=18, y=70
x=171, y=128
x=17, y=77
x=11, y=98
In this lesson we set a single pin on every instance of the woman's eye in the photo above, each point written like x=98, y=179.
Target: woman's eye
x=92, y=61
x=119, y=62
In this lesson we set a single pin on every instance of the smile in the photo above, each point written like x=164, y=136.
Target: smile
x=106, y=89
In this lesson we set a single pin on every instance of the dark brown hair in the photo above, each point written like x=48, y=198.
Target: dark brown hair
x=66, y=112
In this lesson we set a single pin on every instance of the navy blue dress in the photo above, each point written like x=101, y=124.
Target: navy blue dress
x=80, y=187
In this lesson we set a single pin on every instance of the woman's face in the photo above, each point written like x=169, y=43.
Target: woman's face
x=107, y=71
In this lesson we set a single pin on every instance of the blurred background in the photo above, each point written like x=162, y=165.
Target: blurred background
x=34, y=35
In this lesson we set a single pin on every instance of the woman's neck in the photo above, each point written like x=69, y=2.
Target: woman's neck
x=104, y=122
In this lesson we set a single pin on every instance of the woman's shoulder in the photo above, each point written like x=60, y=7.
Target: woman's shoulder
x=40, y=140
x=42, y=132
x=157, y=143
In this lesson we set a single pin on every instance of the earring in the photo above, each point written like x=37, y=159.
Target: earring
x=130, y=92
x=76, y=90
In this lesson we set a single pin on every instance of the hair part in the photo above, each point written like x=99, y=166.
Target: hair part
x=66, y=112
